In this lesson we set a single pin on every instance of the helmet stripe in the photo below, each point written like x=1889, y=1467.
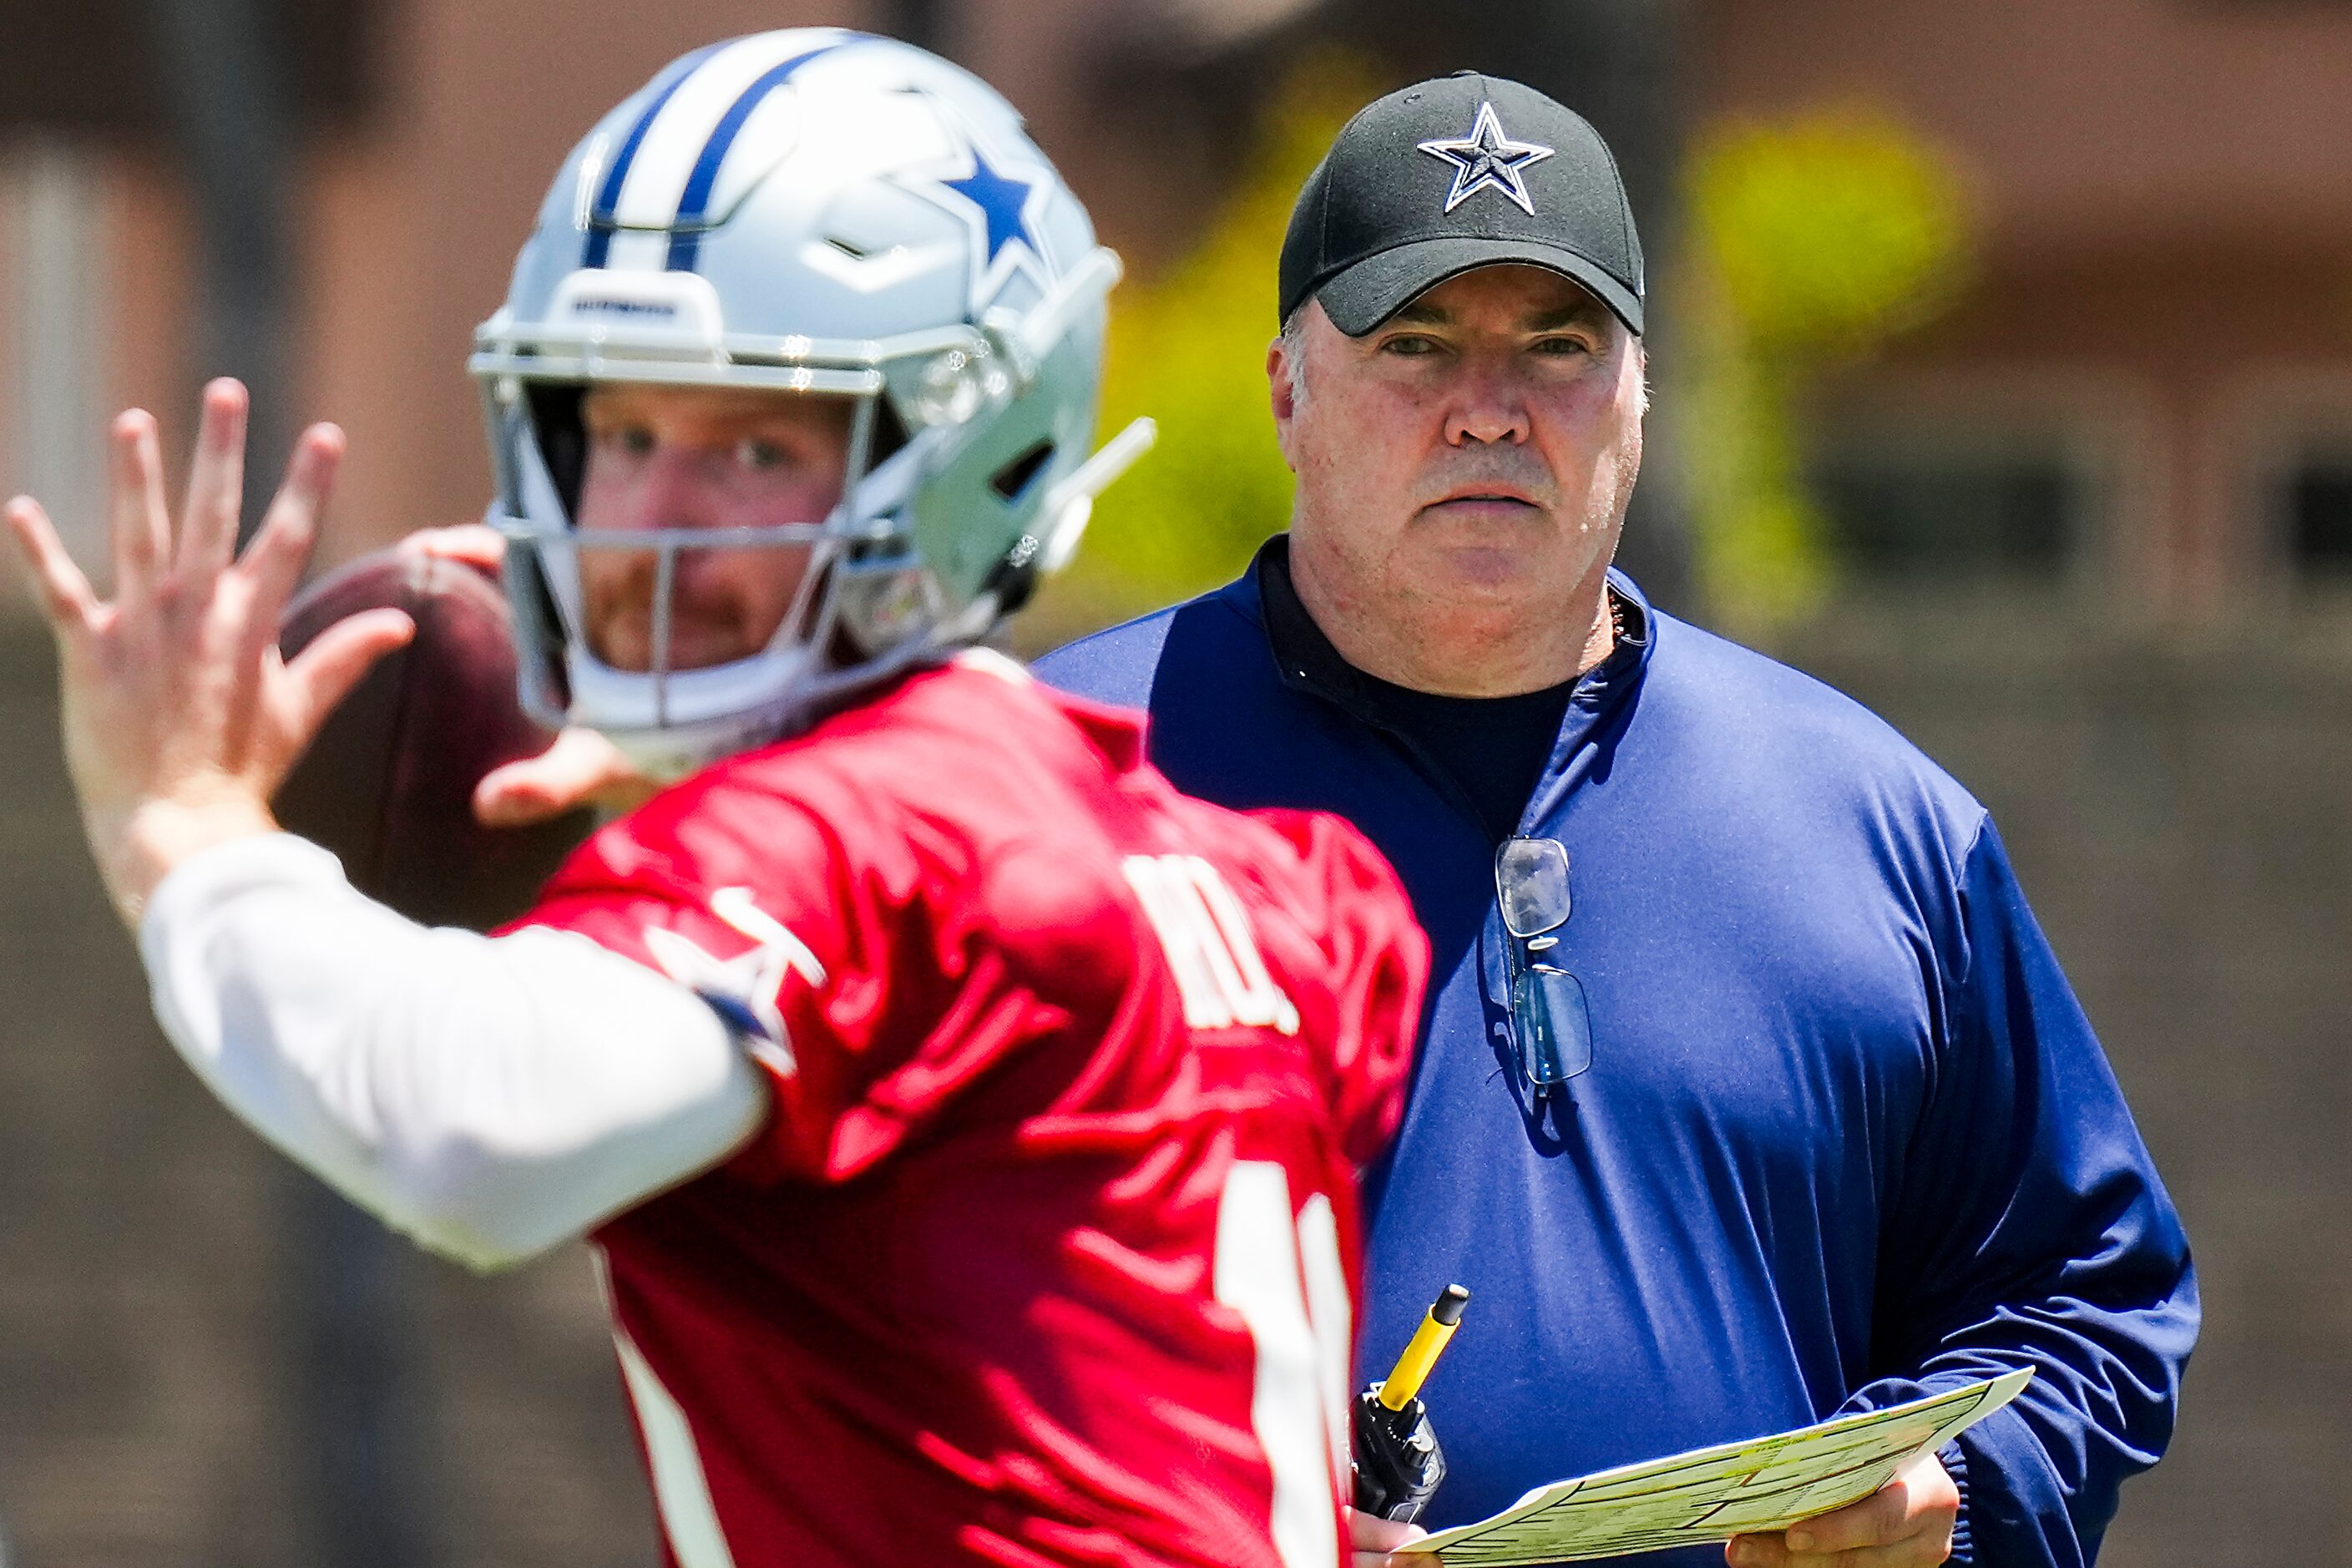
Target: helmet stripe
x=602, y=218
x=684, y=240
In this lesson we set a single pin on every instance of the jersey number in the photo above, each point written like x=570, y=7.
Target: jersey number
x=1286, y=1280
x=1206, y=935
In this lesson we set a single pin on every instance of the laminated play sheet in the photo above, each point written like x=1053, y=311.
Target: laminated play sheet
x=1713, y=1494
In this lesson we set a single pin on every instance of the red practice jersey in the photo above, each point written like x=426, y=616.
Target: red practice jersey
x=1047, y=1253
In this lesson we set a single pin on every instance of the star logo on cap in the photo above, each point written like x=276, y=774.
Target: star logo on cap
x=1488, y=158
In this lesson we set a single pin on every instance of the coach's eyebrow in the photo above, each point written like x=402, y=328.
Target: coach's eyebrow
x=1420, y=315
x=1584, y=313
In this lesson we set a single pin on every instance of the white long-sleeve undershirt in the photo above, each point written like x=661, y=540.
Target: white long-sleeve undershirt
x=489, y=1096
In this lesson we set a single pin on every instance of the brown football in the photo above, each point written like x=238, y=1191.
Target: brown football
x=388, y=783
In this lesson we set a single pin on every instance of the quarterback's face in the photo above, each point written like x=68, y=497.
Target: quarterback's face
x=1469, y=458
x=698, y=457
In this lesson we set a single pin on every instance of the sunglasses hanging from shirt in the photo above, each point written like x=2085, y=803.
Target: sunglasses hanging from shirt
x=1550, y=1028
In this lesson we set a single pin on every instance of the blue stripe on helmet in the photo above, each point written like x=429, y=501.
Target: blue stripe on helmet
x=686, y=237
x=601, y=216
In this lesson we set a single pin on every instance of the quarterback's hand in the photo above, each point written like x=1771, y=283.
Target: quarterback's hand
x=1371, y=1539
x=582, y=768
x=471, y=544
x=180, y=717
x=1906, y=1523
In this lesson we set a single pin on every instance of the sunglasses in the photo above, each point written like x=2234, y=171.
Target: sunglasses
x=1550, y=1028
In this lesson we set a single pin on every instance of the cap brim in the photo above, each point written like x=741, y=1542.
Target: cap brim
x=1361, y=296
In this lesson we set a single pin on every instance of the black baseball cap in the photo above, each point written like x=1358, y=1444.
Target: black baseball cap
x=1462, y=172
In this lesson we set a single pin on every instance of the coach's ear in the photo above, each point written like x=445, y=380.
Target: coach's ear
x=1282, y=373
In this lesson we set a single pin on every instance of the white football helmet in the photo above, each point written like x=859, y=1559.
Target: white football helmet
x=816, y=212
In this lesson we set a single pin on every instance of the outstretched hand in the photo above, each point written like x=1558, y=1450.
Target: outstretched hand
x=180, y=718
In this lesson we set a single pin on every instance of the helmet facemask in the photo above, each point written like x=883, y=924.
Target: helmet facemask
x=862, y=595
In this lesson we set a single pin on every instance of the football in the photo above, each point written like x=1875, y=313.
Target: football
x=388, y=782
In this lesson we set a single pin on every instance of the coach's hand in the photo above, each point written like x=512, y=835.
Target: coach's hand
x=1906, y=1523
x=1371, y=1539
x=180, y=718
x=582, y=768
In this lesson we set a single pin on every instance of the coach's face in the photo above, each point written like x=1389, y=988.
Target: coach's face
x=698, y=457
x=1463, y=465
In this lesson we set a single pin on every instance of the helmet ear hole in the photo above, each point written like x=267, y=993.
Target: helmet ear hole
x=1014, y=477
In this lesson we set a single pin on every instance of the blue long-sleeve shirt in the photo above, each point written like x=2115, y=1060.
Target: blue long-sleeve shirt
x=1846, y=1137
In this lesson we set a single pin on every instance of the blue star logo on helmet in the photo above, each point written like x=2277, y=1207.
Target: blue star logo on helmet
x=1487, y=159
x=1000, y=198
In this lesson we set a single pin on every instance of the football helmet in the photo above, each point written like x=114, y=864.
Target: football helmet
x=822, y=212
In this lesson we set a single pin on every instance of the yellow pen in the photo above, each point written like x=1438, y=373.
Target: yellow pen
x=1398, y=1462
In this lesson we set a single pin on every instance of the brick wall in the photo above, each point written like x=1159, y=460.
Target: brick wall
x=2181, y=819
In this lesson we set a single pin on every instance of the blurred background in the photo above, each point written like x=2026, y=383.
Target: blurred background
x=2003, y=366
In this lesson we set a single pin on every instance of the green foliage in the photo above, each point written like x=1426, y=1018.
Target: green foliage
x=1813, y=240
x=1189, y=349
